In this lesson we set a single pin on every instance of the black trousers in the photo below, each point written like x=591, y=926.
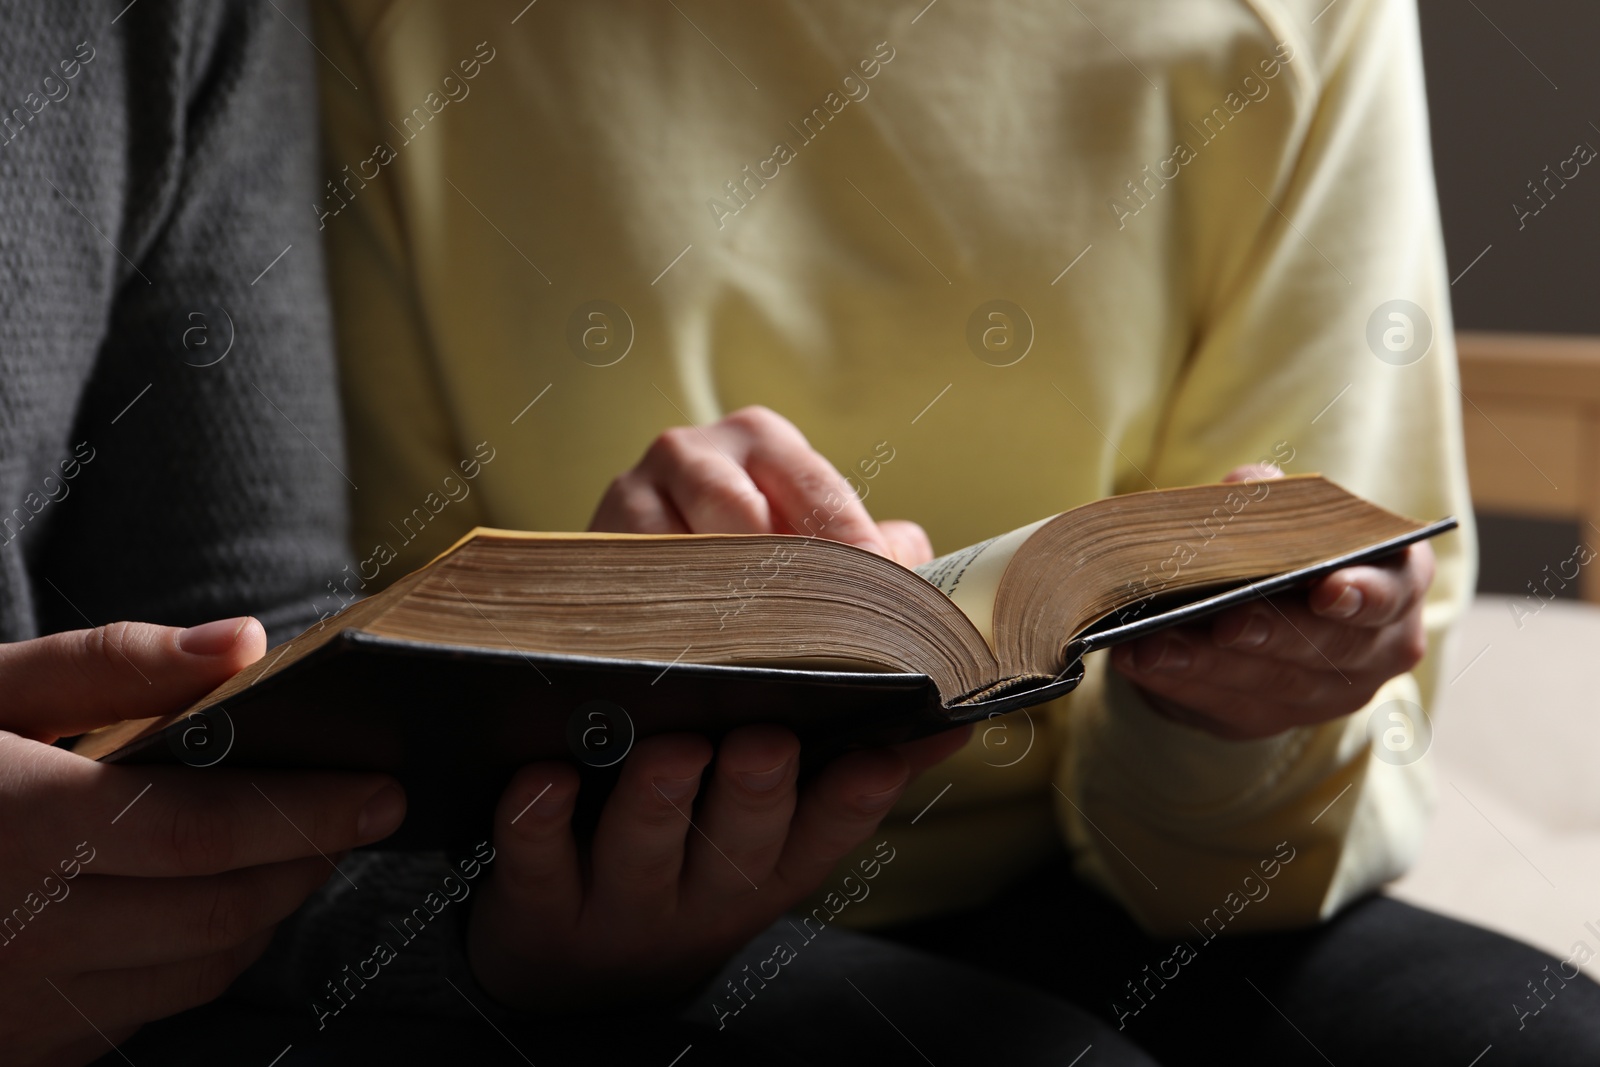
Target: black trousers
x=1039, y=977
x=1381, y=983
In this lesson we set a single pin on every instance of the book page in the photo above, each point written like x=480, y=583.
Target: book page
x=971, y=576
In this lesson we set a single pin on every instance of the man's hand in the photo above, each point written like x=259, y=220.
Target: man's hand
x=130, y=893
x=659, y=902
x=752, y=472
x=1293, y=660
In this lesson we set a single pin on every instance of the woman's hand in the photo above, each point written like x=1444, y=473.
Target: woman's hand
x=752, y=472
x=1295, y=659
x=685, y=867
x=131, y=893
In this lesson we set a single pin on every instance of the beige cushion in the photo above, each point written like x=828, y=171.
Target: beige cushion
x=1515, y=844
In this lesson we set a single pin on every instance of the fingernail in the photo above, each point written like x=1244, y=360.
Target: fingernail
x=1169, y=655
x=1174, y=656
x=212, y=638
x=1348, y=604
x=878, y=801
x=543, y=806
x=1254, y=634
x=764, y=781
x=678, y=790
x=382, y=815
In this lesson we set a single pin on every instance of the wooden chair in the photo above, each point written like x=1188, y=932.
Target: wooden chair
x=1531, y=416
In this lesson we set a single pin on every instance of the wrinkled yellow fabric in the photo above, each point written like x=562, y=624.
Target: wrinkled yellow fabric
x=555, y=233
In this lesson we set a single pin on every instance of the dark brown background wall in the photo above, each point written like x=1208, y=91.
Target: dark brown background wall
x=1513, y=86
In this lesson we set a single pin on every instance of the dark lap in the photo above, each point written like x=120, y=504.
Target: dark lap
x=841, y=998
x=1040, y=977
x=1381, y=983
x=845, y=997
x=226, y=1032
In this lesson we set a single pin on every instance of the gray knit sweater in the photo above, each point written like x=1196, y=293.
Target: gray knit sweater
x=151, y=170
x=169, y=431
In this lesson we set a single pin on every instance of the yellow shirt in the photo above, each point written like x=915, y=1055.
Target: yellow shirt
x=1039, y=252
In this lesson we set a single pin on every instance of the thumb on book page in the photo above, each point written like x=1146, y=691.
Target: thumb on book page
x=74, y=681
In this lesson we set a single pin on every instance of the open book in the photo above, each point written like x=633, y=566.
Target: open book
x=515, y=646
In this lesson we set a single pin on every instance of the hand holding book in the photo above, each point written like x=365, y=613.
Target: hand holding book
x=1296, y=659
x=658, y=906
x=190, y=873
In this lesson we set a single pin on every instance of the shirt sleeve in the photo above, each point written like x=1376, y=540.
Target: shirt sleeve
x=211, y=414
x=238, y=445
x=401, y=437
x=1297, y=358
